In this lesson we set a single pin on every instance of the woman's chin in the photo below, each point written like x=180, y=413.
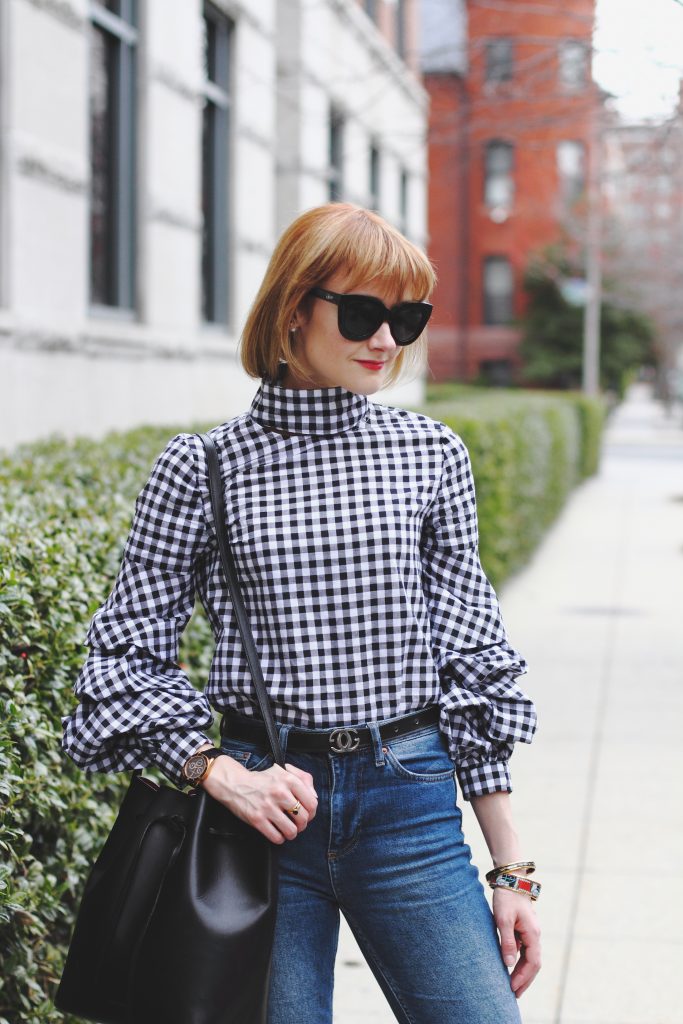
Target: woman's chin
x=367, y=379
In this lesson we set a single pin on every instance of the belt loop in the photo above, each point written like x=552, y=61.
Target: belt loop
x=376, y=744
x=283, y=734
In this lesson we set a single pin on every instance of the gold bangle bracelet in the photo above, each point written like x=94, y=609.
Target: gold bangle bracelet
x=530, y=866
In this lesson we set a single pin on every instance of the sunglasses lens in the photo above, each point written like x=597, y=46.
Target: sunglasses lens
x=409, y=321
x=359, y=317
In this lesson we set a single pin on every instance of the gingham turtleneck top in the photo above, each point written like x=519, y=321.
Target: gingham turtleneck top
x=354, y=531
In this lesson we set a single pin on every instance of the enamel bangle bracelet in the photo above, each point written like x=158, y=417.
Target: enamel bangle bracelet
x=517, y=884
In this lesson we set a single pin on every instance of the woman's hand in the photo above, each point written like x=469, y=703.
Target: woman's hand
x=520, y=932
x=262, y=798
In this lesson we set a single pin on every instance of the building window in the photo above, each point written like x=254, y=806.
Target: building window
x=403, y=190
x=499, y=186
x=215, y=88
x=371, y=9
x=498, y=290
x=113, y=41
x=573, y=65
x=374, y=176
x=401, y=29
x=336, y=156
x=496, y=373
x=571, y=168
x=664, y=184
x=499, y=60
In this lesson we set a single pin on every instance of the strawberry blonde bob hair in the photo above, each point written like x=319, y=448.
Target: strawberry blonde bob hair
x=319, y=243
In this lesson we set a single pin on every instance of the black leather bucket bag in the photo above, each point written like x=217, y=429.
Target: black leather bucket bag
x=177, y=917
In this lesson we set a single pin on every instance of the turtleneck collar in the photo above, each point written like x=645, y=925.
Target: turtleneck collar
x=319, y=411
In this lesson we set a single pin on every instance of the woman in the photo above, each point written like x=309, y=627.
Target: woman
x=388, y=667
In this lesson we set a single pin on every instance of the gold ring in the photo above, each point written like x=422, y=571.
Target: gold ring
x=295, y=809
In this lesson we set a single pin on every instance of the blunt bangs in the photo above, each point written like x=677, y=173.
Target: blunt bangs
x=370, y=251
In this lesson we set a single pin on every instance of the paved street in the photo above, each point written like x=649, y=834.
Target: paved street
x=598, y=796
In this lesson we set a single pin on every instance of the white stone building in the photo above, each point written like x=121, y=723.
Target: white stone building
x=152, y=151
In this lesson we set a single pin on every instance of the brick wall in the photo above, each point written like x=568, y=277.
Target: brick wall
x=532, y=110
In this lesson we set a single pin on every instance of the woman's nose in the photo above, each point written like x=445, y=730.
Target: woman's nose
x=382, y=340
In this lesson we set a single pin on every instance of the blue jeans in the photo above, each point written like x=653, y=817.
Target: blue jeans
x=386, y=848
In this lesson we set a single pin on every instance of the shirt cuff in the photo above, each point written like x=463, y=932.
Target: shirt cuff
x=480, y=779
x=171, y=755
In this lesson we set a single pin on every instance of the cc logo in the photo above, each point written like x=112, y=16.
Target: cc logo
x=344, y=740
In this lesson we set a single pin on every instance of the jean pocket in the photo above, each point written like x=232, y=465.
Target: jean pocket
x=421, y=757
x=253, y=756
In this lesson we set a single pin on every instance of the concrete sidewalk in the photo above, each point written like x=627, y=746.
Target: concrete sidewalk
x=598, y=795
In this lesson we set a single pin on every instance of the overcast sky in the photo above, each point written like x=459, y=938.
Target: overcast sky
x=639, y=54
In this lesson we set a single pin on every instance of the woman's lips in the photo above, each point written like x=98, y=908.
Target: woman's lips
x=371, y=364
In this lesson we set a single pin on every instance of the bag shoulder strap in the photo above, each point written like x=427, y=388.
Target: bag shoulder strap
x=230, y=573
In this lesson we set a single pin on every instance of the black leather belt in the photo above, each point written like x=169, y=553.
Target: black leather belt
x=332, y=741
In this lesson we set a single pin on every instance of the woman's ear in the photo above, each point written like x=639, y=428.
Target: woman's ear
x=302, y=313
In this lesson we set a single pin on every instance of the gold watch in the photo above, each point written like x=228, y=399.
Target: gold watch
x=198, y=766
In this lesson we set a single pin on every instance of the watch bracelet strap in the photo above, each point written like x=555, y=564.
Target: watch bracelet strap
x=230, y=573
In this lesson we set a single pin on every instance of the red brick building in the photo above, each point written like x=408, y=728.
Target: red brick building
x=509, y=151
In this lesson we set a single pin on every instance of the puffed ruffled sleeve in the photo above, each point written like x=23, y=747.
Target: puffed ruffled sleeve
x=136, y=705
x=483, y=711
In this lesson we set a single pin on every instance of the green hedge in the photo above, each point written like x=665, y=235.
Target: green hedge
x=65, y=511
x=528, y=450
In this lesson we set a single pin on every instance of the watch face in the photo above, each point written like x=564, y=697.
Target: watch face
x=195, y=767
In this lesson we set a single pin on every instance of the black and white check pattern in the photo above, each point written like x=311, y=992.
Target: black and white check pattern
x=355, y=538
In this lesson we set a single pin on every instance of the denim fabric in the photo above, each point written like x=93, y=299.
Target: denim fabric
x=386, y=848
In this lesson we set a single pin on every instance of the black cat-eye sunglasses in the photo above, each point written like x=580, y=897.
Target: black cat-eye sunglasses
x=360, y=316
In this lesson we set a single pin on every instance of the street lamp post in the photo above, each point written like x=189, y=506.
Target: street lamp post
x=591, y=317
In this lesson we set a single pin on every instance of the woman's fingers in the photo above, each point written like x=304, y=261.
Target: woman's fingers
x=529, y=963
x=306, y=776
x=303, y=788
x=508, y=947
x=290, y=793
x=520, y=933
x=266, y=799
x=527, y=968
x=278, y=792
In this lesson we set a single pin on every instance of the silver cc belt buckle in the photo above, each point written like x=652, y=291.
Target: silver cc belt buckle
x=343, y=741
